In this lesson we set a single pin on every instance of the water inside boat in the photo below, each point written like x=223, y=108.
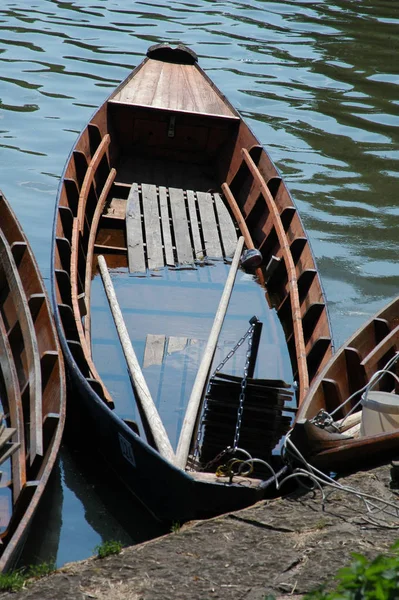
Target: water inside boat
x=169, y=314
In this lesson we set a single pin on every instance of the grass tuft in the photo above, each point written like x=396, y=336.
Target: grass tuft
x=40, y=570
x=12, y=582
x=108, y=548
x=175, y=528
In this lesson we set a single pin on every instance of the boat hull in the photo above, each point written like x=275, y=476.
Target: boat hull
x=344, y=377
x=165, y=160
x=33, y=388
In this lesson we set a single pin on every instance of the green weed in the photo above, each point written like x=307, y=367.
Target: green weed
x=363, y=579
x=108, y=548
x=40, y=570
x=12, y=582
x=175, y=528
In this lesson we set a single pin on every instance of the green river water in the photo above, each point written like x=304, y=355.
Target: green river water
x=318, y=82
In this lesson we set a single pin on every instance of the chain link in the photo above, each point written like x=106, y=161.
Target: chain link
x=229, y=449
x=243, y=386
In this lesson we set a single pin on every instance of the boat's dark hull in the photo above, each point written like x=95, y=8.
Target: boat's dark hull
x=153, y=143
x=169, y=493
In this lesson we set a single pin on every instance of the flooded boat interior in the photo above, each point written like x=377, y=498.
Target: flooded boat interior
x=168, y=250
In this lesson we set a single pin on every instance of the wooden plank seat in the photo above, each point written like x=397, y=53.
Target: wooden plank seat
x=175, y=227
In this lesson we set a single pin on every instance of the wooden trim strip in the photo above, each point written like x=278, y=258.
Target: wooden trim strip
x=380, y=349
x=15, y=407
x=239, y=217
x=76, y=309
x=31, y=348
x=89, y=176
x=90, y=251
x=292, y=279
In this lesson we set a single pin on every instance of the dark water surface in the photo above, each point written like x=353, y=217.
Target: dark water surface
x=318, y=82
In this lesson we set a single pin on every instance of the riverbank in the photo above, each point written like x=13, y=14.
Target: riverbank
x=284, y=547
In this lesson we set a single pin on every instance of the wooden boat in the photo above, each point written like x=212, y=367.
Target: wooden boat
x=32, y=387
x=350, y=416
x=159, y=185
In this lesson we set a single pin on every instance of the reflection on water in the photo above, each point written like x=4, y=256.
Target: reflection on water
x=82, y=507
x=169, y=316
x=318, y=82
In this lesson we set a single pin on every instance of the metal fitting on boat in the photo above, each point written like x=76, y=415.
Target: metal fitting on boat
x=251, y=258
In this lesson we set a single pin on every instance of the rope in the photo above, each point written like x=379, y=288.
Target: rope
x=373, y=504
x=323, y=417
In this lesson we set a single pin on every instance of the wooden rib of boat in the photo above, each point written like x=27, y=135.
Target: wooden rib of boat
x=371, y=431
x=161, y=183
x=32, y=387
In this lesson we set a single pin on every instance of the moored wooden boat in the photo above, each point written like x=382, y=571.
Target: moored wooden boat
x=161, y=182
x=350, y=416
x=32, y=387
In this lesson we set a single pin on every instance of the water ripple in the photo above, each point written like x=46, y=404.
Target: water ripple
x=317, y=81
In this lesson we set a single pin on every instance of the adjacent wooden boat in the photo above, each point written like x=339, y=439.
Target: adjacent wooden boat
x=157, y=188
x=32, y=387
x=356, y=390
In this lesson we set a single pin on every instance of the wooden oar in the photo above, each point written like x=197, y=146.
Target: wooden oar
x=197, y=393
x=143, y=395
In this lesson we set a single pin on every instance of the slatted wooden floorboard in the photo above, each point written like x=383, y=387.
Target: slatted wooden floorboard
x=173, y=227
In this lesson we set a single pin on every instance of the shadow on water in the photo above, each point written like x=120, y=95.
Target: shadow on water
x=83, y=506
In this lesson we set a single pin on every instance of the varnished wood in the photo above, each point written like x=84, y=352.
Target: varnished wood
x=31, y=347
x=89, y=177
x=292, y=279
x=77, y=313
x=242, y=225
x=10, y=378
x=345, y=374
x=163, y=85
x=27, y=337
x=90, y=251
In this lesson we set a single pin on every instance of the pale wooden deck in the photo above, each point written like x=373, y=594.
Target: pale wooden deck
x=174, y=227
x=174, y=87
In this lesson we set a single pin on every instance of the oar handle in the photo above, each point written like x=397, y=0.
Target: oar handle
x=197, y=393
x=142, y=392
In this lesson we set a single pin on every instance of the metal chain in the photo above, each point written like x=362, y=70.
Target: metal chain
x=248, y=333
x=238, y=344
x=243, y=386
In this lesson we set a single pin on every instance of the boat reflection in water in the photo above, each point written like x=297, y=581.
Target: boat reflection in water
x=82, y=507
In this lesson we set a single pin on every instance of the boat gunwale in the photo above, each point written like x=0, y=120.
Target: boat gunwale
x=14, y=537
x=342, y=454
